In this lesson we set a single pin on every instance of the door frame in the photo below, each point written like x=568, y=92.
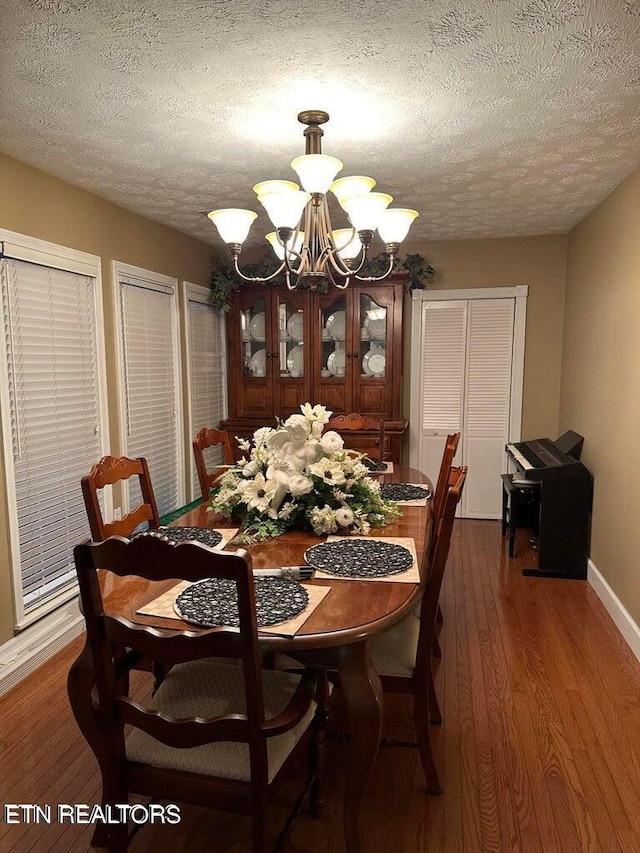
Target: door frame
x=519, y=294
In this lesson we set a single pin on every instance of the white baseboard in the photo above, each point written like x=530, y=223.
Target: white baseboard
x=25, y=652
x=615, y=608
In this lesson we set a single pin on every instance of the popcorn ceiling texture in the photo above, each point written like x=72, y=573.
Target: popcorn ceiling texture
x=492, y=118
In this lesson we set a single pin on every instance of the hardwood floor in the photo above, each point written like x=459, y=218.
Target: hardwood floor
x=539, y=748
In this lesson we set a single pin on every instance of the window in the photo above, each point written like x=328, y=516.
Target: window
x=53, y=412
x=206, y=371
x=150, y=391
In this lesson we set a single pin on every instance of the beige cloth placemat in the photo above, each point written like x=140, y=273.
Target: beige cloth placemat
x=163, y=606
x=411, y=575
x=419, y=501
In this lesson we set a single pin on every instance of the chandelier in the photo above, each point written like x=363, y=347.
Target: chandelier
x=304, y=241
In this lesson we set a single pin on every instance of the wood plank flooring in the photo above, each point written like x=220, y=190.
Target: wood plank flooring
x=539, y=751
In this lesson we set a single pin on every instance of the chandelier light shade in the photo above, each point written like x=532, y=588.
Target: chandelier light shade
x=309, y=249
x=294, y=249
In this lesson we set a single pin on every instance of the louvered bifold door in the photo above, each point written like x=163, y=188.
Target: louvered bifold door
x=150, y=365
x=444, y=341
x=206, y=373
x=487, y=405
x=52, y=421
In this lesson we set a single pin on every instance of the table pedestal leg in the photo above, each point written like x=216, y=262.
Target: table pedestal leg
x=363, y=696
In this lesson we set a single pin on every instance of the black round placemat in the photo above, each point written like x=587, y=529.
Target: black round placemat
x=403, y=492
x=214, y=602
x=359, y=558
x=373, y=464
x=186, y=534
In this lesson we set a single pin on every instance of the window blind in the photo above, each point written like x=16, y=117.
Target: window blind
x=206, y=373
x=51, y=357
x=150, y=362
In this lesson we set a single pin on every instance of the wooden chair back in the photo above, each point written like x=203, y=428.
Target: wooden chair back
x=117, y=644
x=439, y=554
x=450, y=450
x=110, y=470
x=360, y=423
x=209, y=438
x=409, y=644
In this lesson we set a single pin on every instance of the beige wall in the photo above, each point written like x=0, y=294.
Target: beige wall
x=538, y=262
x=600, y=396
x=39, y=205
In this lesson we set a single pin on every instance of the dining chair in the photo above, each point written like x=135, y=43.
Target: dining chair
x=444, y=476
x=450, y=450
x=355, y=422
x=402, y=655
x=110, y=470
x=205, y=439
x=221, y=733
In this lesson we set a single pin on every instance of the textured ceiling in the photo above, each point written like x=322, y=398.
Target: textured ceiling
x=492, y=118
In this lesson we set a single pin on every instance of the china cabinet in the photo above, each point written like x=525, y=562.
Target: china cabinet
x=342, y=349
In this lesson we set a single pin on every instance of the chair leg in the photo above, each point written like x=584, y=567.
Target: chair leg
x=259, y=827
x=435, y=716
x=512, y=535
x=439, y=616
x=423, y=736
x=436, y=651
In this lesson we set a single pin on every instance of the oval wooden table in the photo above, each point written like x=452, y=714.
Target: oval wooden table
x=338, y=634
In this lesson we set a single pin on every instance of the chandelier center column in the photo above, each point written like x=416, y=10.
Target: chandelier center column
x=313, y=134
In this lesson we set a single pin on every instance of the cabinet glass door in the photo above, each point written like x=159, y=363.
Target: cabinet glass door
x=333, y=358
x=292, y=326
x=253, y=328
x=373, y=337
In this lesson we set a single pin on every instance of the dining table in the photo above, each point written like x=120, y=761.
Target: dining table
x=337, y=635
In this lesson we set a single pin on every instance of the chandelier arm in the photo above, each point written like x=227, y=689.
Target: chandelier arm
x=329, y=252
x=346, y=277
x=384, y=275
x=255, y=278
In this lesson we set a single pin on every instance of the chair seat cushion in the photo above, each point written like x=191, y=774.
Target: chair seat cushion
x=394, y=652
x=209, y=689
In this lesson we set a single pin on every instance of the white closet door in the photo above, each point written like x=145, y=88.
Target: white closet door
x=442, y=377
x=487, y=403
x=151, y=395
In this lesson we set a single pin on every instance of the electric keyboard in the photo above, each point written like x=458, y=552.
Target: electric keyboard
x=565, y=496
x=538, y=454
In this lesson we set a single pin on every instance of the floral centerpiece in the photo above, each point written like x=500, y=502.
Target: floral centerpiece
x=294, y=476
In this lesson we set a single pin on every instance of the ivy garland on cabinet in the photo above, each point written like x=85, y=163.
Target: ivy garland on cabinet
x=225, y=282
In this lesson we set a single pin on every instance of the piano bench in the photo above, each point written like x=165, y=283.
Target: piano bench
x=520, y=506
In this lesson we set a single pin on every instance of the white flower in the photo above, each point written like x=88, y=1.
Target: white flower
x=300, y=485
x=257, y=493
x=244, y=444
x=332, y=441
x=344, y=516
x=315, y=414
x=323, y=520
x=262, y=435
x=331, y=472
x=287, y=509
